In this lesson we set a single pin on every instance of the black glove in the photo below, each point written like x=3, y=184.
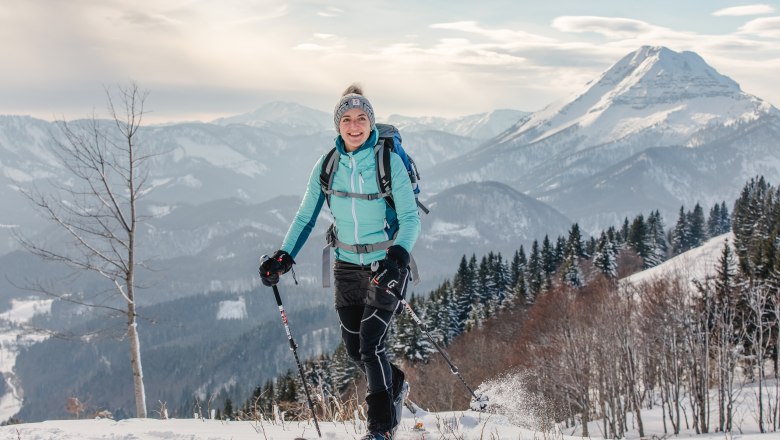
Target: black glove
x=270, y=268
x=390, y=274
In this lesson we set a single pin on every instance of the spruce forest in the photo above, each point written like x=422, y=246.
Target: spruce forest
x=583, y=344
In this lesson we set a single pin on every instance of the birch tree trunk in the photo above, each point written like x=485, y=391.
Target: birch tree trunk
x=97, y=211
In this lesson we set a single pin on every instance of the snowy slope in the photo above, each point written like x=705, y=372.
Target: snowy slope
x=478, y=126
x=697, y=264
x=456, y=425
x=13, y=338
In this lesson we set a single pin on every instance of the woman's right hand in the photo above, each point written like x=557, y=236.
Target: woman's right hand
x=271, y=267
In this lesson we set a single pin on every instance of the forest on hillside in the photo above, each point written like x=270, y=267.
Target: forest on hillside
x=585, y=345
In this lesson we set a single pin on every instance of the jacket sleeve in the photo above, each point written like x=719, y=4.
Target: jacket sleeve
x=405, y=205
x=307, y=214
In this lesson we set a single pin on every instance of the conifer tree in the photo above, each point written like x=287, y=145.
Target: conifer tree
x=605, y=257
x=590, y=247
x=681, y=233
x=574, y=243
x=446, y=311
x=696, y=227
x=713, y=221
x=535, y=274
x=656, y=239
x=725, y=218
x=571, y=273
x=560, y=250
x=463, y=295
x=343, y=368
x=638, y=239
x=623, y=235
x=518, y=266
x=485, y=289
x=548, y=262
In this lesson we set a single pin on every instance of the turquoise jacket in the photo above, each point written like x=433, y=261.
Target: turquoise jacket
x=358, y=221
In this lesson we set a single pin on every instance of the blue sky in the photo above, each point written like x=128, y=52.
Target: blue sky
x=204, y=59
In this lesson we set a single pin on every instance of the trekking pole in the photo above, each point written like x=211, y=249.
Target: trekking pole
x=481, y=400
x=294, y=348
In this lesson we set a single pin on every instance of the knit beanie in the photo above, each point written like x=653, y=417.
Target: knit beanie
x=353, y=98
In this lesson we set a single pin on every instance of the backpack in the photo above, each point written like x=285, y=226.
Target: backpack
x=389, y=141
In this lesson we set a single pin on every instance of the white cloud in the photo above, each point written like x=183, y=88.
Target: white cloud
x=503, y=35
x=762, y=27
x=331, y=12
x=739, y=11
x=612, y=27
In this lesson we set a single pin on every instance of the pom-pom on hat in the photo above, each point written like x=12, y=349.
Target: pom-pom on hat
x=353, y=98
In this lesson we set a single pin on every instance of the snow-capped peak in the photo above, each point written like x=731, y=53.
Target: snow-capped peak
x=647, y=88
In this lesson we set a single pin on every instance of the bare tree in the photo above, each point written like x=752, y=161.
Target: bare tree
x=96, y=209
x=756, y=331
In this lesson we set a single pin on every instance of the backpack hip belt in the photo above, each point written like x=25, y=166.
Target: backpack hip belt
x=333, y=242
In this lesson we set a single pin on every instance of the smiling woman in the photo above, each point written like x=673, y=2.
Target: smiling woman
x=373, y=239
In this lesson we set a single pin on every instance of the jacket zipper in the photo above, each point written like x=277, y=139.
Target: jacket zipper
x=354, y=214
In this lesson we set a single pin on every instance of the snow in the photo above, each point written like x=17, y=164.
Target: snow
x=232, y=309
x=22, y=310
x=695, y=265
x=444, y=229
x=13, y=336
x=453, y=425
x=219, y=156
x=518, y=424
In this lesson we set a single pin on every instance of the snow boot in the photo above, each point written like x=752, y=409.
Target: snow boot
x=398, y=403
x=400, y=391
x=380, y=414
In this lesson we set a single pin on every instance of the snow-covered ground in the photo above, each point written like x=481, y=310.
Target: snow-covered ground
x=12, y=336
x=695, y=265
x=445, y=425
x=455, y=425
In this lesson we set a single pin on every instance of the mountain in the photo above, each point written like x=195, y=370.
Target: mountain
x=478, y=126
x=479, y=217
x=254, y=156
x=283, y=118
x=653, y=97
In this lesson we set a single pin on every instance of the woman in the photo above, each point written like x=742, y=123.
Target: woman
x=366, y=299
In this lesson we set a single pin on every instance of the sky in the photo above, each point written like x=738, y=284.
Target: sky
x=200, y=60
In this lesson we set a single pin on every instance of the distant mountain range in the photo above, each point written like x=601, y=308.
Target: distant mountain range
x=656, y=130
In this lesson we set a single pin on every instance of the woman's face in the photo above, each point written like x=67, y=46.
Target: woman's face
x=354, y=128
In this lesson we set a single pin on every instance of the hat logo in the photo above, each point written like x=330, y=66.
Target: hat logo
x=355, y=101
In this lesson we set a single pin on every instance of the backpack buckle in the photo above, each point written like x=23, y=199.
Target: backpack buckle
x=362, y=248
x=330, y=235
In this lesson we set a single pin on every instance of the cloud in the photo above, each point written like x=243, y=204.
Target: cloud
x=612, y=27
x=331, y=12
x=739, y=11
x=763, y=27
x=502, y=35
x=139, y=18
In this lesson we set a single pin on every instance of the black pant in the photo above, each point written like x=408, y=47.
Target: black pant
x=364, y=329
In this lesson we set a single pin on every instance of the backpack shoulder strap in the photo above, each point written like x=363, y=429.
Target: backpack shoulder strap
x=327, y=171
x=383, y=173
